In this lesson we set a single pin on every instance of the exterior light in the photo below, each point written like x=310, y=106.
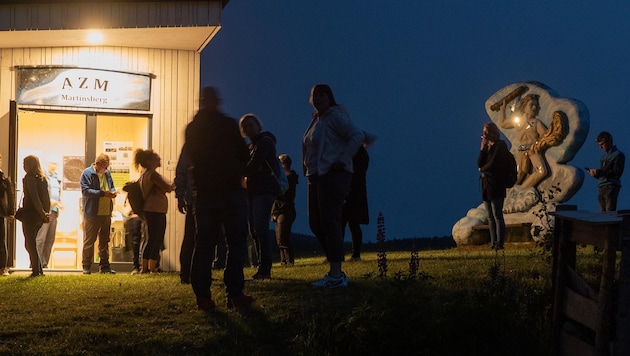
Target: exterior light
x=95, y=37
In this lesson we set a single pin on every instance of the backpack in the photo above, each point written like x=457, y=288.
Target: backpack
x=512, y=173
x=283, y=181
x=135, y=197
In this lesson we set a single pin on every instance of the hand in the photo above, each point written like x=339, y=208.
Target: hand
x=181, y=206
x=592, y=172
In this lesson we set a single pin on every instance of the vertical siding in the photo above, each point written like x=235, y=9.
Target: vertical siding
x=174, y=100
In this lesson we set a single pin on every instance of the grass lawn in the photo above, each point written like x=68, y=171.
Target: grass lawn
x=463, y=301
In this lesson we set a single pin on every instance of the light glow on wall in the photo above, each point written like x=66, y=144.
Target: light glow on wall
x=95, y=37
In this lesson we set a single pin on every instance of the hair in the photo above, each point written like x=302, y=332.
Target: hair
x=142, y=157
x=102, y=158
x=210, y=97
x=493, y=131
x=323, y=88
x=604, y=136
x=32, y=166
x=248, y=117
x=284, y=158
x=526, y=99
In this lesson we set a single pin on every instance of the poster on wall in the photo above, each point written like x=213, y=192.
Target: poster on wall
x=73, y=166
x=120, y=160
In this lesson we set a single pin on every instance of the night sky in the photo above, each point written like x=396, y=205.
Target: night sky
x=417, y=74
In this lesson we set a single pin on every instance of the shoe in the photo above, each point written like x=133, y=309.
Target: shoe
x=5, y=272
x=354, y=259
x=86, y=271
x=493, y=247
x=36, y=274
x=331, y=282
x=499, y=247
x=260, y=276
x=135, y=271
x=108, y=271
x=205, y=304
x=240, y=301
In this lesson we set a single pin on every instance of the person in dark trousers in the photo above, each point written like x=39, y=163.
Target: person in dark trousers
x=355, y=208
x=7, y=210
x=218, y=155
x=609, y=173
x=283, y=214
x=492, y=163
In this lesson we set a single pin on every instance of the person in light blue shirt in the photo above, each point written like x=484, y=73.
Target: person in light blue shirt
x=46, y=234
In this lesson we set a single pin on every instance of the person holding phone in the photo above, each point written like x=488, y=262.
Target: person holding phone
x=609, y=174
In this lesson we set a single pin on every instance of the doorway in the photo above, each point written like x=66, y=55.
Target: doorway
x=69, y=142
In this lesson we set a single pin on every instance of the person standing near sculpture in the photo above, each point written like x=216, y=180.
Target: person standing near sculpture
x=46, y=235
x=355, y=208
x=328, y=145
x=283, y=213
x=262, y=188
x=98, y=191
x=218, y=155
x=36, y=204
x=532, y=167
x=493, y=162
x=609, y=174
x=154, y=189
x=7, y=210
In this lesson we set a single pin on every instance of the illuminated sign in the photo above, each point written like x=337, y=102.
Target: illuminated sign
x=83, y=87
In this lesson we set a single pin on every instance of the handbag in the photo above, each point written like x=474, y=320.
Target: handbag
x=20, y=213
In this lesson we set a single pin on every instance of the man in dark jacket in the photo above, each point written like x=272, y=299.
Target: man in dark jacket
x=609, y=174
x=218, y=155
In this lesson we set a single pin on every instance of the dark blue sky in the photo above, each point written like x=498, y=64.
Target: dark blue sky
x=417, y=74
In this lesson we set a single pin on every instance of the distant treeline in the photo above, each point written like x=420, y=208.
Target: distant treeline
x=307, y=245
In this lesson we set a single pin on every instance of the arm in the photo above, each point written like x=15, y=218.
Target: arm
x=32, y=186
x=162, y=185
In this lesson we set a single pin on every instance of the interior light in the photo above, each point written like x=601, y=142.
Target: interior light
x=95, y=37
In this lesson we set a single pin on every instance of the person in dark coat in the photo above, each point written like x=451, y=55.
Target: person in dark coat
x=492, y=163
x=283, y=214
x=355, y=208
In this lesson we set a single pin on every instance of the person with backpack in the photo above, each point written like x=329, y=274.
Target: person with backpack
x=283, y=213
x=261, y=173
x=494, y=167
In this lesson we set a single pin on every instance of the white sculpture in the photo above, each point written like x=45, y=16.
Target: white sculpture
x=545, y=132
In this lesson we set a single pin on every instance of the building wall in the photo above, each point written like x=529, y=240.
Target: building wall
x=174, y=101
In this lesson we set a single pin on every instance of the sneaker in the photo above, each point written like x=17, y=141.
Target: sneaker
x=5, y=272
x=205, y=304
x=107, y=271
x=242, y=300
x=260, y=276
x=135, y=271
x=331, y=282
x=86, y=270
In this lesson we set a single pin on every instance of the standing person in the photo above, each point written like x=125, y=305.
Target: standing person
x=7, y=210
x=218, y=155
x=609, y=174
x=328, y=145
x=355, y=208
x=283, y=213
x=185, y=201
x=46, y=235
x=36, y=203
x=492, y=163
x=154, y=189
x=97, y=187
x=262, y=188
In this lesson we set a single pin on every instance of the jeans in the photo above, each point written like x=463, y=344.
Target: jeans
x=259, y=216
x=326, y=195
x=607, y=197
x=46, y=238
x=30, y=242
x=213, y=218
x=188, y=244
x=496, y=223
x=156, y=227
x=99, y=226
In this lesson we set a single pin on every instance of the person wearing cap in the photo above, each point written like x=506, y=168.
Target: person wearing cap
x=609, y=174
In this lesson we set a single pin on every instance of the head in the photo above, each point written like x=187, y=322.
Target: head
x=250, y=125
x=530, y=104
x=210, y=98
x=31, y=165
x=604, y=140
x=285, y=160
x=101, y=163
x=146, y=159
x=322, y=98
x=491, y=132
